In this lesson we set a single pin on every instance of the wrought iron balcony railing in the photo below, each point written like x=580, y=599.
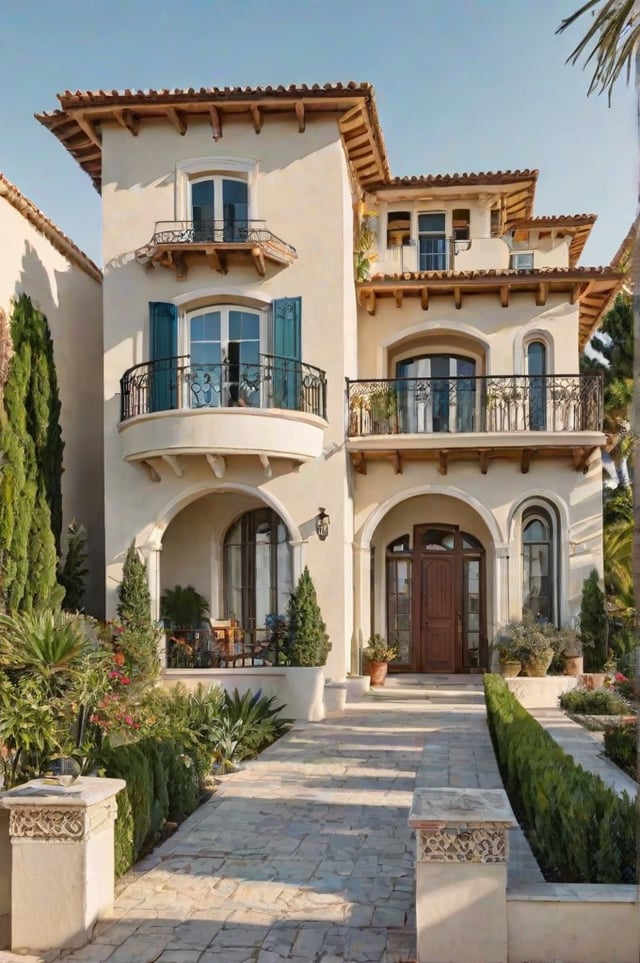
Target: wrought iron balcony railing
x=198, y=233
x=173, y=383
x=199, y=649
x=485, y=404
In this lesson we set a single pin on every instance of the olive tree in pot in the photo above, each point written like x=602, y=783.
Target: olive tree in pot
x=306, y=649
x=378, y=655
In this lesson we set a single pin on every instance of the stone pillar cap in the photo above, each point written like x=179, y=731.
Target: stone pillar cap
x=83, y=792
x=436, y=808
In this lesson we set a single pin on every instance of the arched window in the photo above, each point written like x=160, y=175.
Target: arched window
x=537, y=371
x=257, y=568
x=539, y=592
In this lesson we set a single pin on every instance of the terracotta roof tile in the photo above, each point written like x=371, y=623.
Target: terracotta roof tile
x=57, y=238
x=455, y=180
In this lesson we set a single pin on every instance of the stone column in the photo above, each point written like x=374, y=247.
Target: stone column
x=461, y=874
x=62, y=872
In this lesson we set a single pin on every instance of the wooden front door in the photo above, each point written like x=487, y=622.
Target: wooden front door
x=438, y=613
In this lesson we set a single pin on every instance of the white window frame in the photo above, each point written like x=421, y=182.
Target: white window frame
x=210, y=168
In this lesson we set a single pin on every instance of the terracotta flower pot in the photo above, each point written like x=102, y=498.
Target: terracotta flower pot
x=538, y=666
x=573, y=665
x=377, y=672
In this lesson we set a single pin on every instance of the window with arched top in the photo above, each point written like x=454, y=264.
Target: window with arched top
x=537, y=372
x=399, y=565
x=539, y=590
x=257, y=568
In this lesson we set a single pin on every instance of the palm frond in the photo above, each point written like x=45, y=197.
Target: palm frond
x=610, y=43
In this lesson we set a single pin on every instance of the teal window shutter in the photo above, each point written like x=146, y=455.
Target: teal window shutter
x=287, y=348
x=163, y=337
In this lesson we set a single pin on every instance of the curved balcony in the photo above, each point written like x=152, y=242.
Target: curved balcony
x=490, y=416
x=275, y=408
x=177, y=243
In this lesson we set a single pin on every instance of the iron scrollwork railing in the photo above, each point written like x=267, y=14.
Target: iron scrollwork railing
x=169, y=384
x=220, y=232
x=485, y=404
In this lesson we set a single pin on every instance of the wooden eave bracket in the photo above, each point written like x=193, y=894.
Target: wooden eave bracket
x=525, y=460
x=397, y=463
x=581, y=458
x=504, y=295
x=178, y=120
x=216, y=122
x=87, y=127
x=216, y=262
x=367, y=300
x=541, y=294
x=257, y=118
x=443, y=461
x=258, y=259
x=424, y=298
x=359, y=462
x=457, y=296
x=398, y=297
x=299, y=108
x=128, y=120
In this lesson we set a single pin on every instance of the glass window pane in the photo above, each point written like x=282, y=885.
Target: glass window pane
x=202, y=200
x=536, y=353
x=212, y=326
x=536, y=531
x=431, y=222
x=197, y=328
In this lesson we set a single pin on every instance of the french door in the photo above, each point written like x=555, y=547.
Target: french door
x=219, y=209
x=437, y=393
x=224, y=349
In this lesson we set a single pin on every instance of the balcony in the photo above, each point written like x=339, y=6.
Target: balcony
x=442, y=254
x=170, y=408
x=516, y=416
x=177, y=244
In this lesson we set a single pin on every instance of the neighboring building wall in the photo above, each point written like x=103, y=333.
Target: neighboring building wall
x=71, y=299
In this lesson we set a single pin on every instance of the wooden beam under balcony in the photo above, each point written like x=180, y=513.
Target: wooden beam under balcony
x=542, y=294
x=397, y=463
x=581, y=459
x=216, y=260
x=424, y=298
x=484, y=460
x=258, y=260
x=525, y=460
x=398, y=296
x=360, y=463
x=443, y=461
x=504, y=295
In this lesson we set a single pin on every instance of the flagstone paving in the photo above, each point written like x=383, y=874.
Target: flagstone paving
x=305, y=854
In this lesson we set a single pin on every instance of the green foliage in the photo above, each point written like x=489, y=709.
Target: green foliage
x=580, y=830
x=377, y=650
x=73, y=571
x=621, y=746
x=183, y=607
x=593, y=623
x=30, y=485
x=45, y=643
x=307, y=643
x=29, y=729
x=255, y=721
x=594, y=702
x=138, y=638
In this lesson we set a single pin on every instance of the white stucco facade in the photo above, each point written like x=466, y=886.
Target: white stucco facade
x=462, y=275
x=38, y=260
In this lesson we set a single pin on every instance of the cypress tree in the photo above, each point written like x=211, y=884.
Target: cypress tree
x=593, y=623
x=32, y=454
x=308, y=643
x=138, y=640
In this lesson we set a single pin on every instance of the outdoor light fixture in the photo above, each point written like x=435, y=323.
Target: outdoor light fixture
x=322, y=524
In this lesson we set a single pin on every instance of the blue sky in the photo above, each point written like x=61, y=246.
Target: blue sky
x=460, y=86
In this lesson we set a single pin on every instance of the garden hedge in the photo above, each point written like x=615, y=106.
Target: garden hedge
x=162, y=784
x=621, y=746
x=580, y=830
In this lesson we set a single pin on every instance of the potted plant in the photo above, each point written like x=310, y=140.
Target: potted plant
x=183, y=607
x=509, y=662
x=570, y=647
x=306, y=648
x=533, y=645
x=378, y=655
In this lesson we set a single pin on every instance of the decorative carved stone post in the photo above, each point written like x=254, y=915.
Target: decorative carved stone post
x=62, y=871
x=461, y=874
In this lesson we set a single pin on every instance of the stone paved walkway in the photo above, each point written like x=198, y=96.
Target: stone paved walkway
x=305, y=855
x=587, y=748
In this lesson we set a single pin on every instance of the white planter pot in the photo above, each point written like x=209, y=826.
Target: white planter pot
x=357, y=687
x=335, y=696
x=304, y=693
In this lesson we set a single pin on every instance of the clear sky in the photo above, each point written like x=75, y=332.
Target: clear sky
x=461, y=86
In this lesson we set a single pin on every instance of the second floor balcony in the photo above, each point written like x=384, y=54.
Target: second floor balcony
x=490, y=413
x=173, y=407
x=177, y=244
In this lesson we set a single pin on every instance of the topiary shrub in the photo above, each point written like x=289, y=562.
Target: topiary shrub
x=593, y=623
x=307, y=643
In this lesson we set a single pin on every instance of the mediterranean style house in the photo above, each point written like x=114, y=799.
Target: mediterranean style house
x=37, y=259
x=308, y=361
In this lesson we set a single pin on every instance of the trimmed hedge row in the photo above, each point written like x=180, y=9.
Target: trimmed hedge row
x=580, y=830
x=621, y=746
x=163, y=783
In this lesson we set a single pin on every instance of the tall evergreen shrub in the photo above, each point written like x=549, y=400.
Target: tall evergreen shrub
x=593, y=623
x=139, y=637
x=308, y=643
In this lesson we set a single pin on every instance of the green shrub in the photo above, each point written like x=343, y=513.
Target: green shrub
x=580, y=830
x=621, y=746
x=593, y=623
x=594, y=702
x=307, y=643
x=257, y=720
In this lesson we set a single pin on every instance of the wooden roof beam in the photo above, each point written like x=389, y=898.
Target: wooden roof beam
x=128, y=120
x=542, y=294
x=177, y=119
x=216, y=121
x=299, y=108
x=257, y=117
x=87, y=127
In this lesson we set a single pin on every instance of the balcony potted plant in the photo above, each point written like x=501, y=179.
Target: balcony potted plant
x=306, y=647
x=378, y=655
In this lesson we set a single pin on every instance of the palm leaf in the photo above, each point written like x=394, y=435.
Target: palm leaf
x=610, y=43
